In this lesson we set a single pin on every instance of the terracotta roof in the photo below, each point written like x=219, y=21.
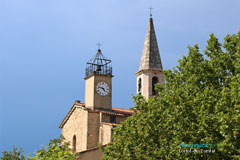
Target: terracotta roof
x=122, y=110
x=114, y=111
x=124, y=114
x=116, y=114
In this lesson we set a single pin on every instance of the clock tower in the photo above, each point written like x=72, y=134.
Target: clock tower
x=98, y=80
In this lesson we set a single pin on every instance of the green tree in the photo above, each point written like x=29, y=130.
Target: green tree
x=13, y=155
x=198, y=104
x=54, y=151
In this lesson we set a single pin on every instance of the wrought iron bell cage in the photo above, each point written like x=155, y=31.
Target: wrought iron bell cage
x=99, y=65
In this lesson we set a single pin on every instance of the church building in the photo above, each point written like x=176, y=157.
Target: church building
x=89, y=124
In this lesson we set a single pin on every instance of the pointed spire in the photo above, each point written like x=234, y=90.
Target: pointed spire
x=150, y=55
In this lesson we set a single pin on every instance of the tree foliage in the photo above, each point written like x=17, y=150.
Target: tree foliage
x=54, y=151
x=13, y=155
x=198, y=104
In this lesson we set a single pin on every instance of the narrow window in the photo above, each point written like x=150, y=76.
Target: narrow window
x=74, y=144
x=113, y=119
x=139, y=85
x=154, y=81
x=112, y=132
x=112, y=135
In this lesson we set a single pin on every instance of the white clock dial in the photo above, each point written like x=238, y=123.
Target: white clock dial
x=102, y=88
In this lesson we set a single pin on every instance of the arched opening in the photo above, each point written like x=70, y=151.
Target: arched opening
x=154, y=81
x=74, y=144
x=139, y=85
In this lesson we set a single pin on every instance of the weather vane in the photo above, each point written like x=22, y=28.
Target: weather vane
x=99, y=45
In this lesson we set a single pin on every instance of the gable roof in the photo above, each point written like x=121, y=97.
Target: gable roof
x=74, y=106
x=115, y=112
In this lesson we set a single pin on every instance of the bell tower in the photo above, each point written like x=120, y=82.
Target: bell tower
x=98, y=83
x=150, y=70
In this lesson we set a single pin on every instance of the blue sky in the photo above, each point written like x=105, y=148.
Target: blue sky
x=45, y=44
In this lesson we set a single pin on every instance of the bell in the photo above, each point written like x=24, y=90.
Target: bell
x=98, y=68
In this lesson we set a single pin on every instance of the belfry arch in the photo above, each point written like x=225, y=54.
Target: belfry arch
x=154, y=81
x=139, y=86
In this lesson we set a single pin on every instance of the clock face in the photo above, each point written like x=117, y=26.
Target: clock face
x=102, y=88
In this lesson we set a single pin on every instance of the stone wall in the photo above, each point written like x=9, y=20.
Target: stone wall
x=106, y=118
x=93, y=129
x=146, y=80
x=105, y=134
x=94, y=154
x=120, y=119
x=76, y=125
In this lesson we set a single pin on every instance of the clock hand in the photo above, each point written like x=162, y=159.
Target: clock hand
x=102, y=88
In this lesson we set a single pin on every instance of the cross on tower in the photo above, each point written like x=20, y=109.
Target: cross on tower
x=99, y=45
x=151, y=11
